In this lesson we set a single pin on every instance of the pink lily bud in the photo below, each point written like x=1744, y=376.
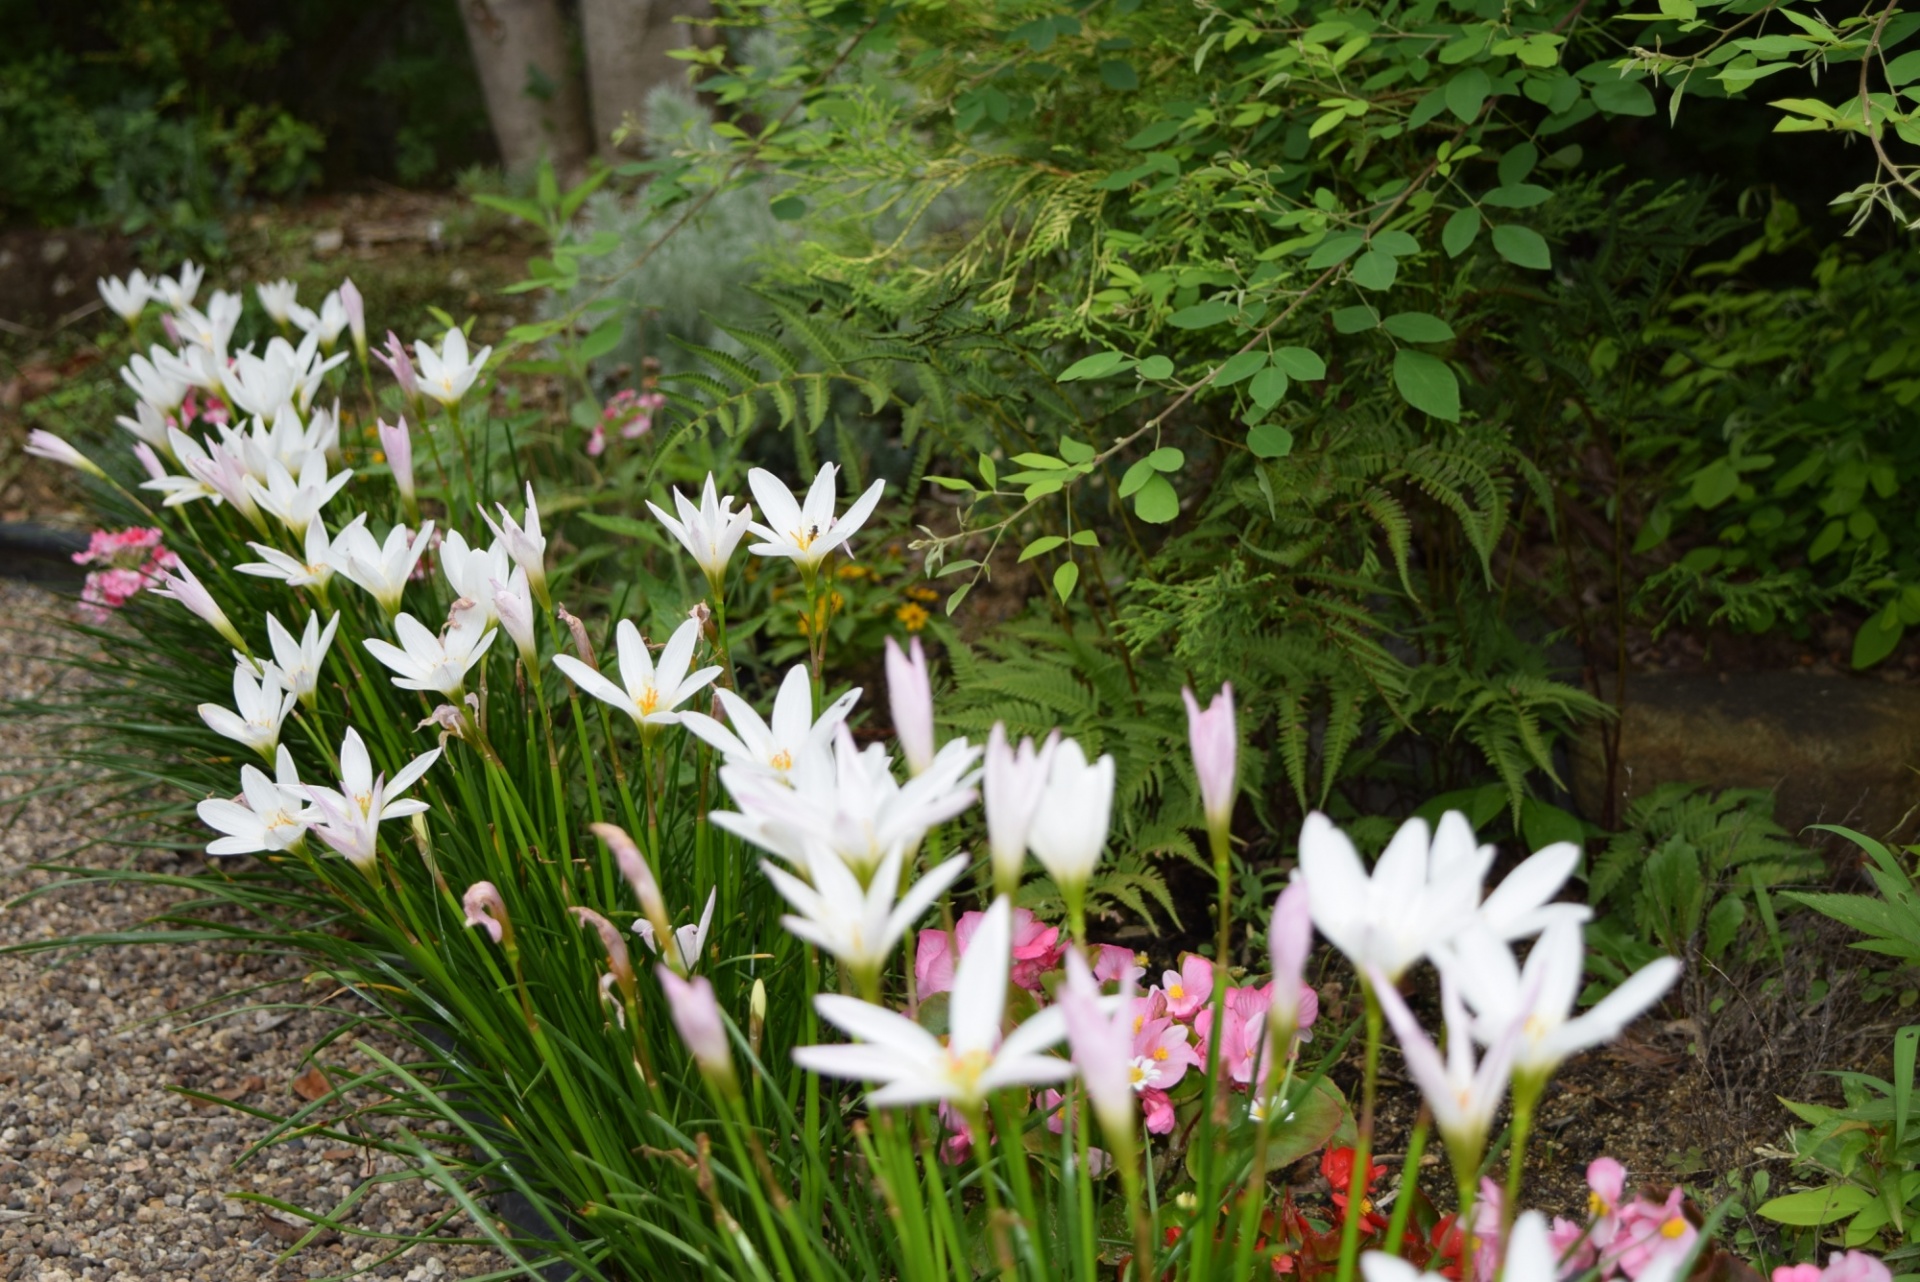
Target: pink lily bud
x=633, y=866
x=1289, y=940
x=395, y=358
x=149, y=460
x=515, y=608
x=581, y=645
x=46, y=445
x=486, y=910
x=910, y=692
x=397, y=442
x=1215, y=742
x=356, y=309
x=697, y=1015
x=183, y=586
x=617, y=961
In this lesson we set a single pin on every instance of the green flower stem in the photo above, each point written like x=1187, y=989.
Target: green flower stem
x=1363, y=1142
x=1526, y=1097
x=1013, y=1146
x=1409, y=1183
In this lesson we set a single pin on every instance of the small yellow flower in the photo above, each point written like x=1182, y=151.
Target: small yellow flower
x=921, y=592
x=912, y=616
x=852, y=571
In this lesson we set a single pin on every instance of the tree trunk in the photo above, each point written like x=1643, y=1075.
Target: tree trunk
x=627, y=44
x=533, y=97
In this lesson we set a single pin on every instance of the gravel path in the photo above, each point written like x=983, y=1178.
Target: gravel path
x=105, y=1174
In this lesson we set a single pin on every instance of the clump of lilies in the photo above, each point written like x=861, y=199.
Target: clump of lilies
x=1014, y=1097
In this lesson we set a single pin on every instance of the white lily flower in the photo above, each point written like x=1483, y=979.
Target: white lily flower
x=262, y=703
x=224, y=472
x=146, y=425
x=44, y=444
x=686, y=942
x=195, y=366
x=299, y=661
x=381, y=568
x=355, y=308
x=792, y=737
x=323, y=431
x=1070, y=824
x=1463, y=1095
x=260, y=385
x=446, y=375
x=297, y=503
x=156, y=382
x=525, y=544
x=472, y=571
x=269, y=815
x=423, y=661
x=352, y=815
x=861, y=926
x=212, y=329
x=848, y=802
x=177, y=291
x=181, y=584
x=327, y=324
x=912, y=1065
x=710, y=532
x=1494, y=986
x=1015, y=783
x=127, y=298
x=183, y=449
x=1421, y=894
x=647, y=694
x=314, y=571
x=1521, y=904
x=277, y=298
x=805, y=534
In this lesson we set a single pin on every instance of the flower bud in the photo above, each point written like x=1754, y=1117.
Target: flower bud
x=485, y=909
x=910, y=692
x=697, y=1017
x=756, y=1015
x=46, y=445
x=633, y=866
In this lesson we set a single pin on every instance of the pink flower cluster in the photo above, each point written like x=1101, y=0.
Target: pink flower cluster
x=628, y=412
x=1623, y=1237
x=130, y=561
x=1847, y=1266
x=1172, y=1022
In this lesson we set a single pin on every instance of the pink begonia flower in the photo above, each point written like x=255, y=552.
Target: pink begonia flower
x=1571, y=1245
x=1607, y=1182
x=1158, y=1110
x=1847, y=1266
x=1214, y=740
x=596, y=442
x=958, y=1146
x=1649, y=1230
x=1113, y=964
x=1243, y=1031
x=1161, y=1054
x=1190, y=988
x=1036, y=950
x=1487, y=1214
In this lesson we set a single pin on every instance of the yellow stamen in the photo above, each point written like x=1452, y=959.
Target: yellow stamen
x=782, y=760
x=649, y=700
x=1673, y=1228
